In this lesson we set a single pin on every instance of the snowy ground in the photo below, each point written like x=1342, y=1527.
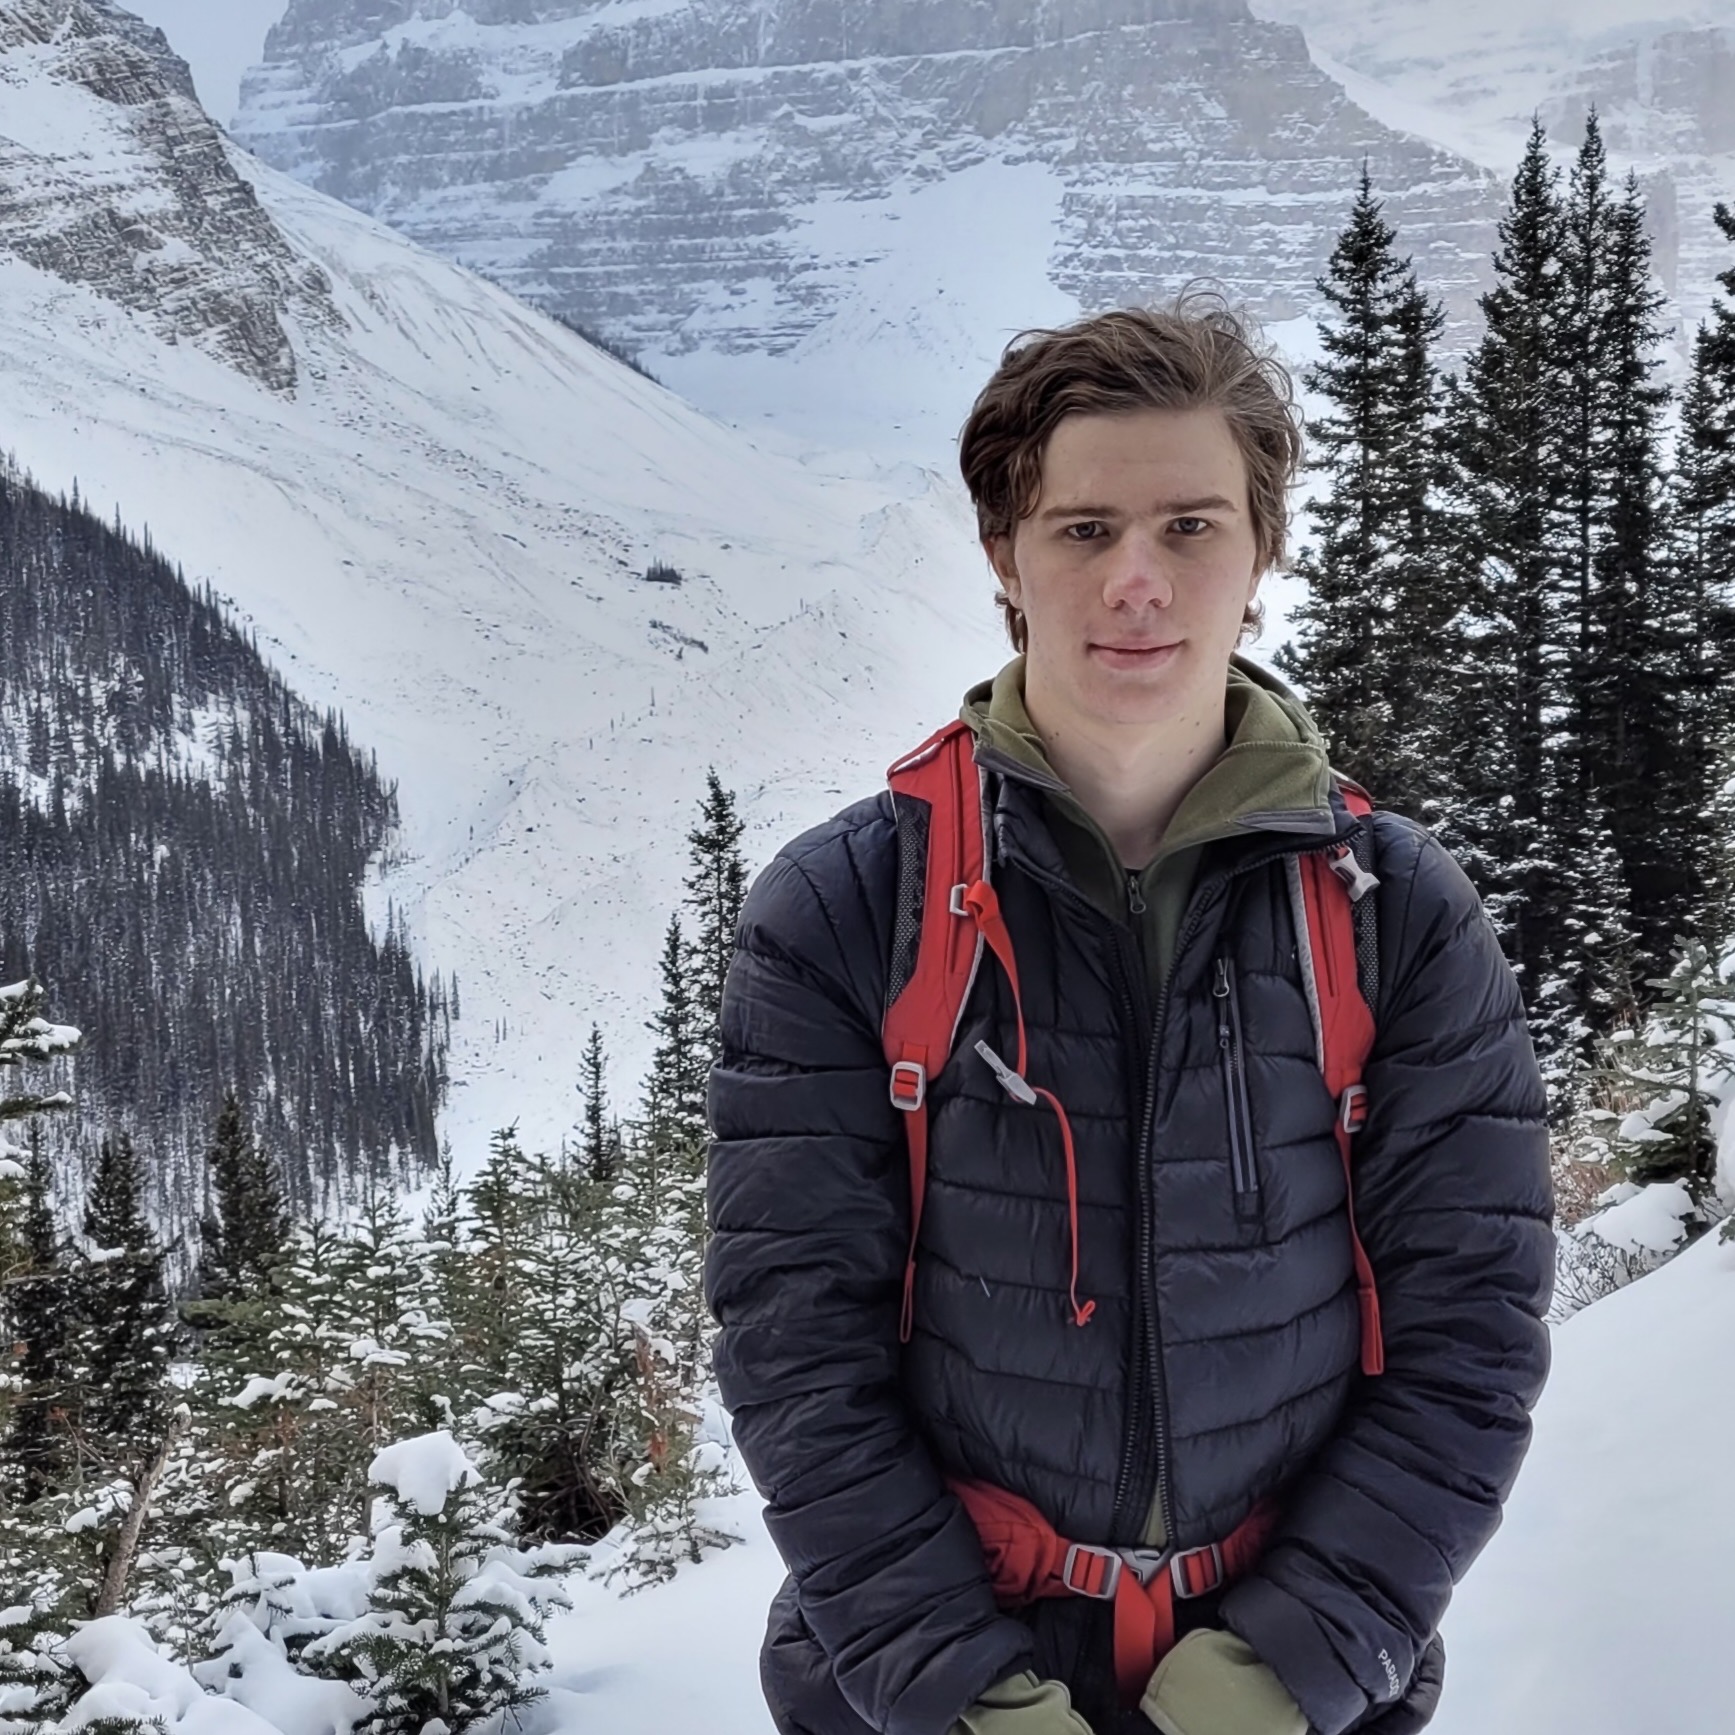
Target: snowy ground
x=1603, y=1607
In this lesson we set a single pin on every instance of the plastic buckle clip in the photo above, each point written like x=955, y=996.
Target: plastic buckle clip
x=1353, y=1108
x=1113, y=1566
x=1178, y=1573
x=909, y=1085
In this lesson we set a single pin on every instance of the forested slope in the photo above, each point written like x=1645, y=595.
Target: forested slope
x=182, y=850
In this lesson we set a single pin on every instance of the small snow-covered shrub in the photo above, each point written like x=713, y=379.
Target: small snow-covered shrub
x=453, y=1626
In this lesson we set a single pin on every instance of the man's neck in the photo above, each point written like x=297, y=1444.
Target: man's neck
x=1129, y=779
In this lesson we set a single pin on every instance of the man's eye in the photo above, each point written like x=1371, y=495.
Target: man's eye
x=1192, y=526
x=1086, y=530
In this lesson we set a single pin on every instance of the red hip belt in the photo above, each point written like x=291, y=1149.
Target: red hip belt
x=1028, y=1560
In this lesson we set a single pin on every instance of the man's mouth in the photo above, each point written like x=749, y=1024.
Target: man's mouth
x=1134, y=656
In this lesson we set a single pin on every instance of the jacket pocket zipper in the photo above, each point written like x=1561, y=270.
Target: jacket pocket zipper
x=1232, y=1062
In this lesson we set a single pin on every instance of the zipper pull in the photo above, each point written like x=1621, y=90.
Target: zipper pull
x=1220, y=993
x=1010, y=1081
x=1135, y=893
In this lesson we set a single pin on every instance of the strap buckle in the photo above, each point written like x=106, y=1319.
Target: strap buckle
x=1109, y=1563
x=909, y=1085
x=1181, y=1571
x=1352, y=1108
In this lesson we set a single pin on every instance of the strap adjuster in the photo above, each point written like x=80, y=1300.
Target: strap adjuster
x=909, y=1085
x=1111, y=1567
x=1187, y=1581
x=1352, y=1108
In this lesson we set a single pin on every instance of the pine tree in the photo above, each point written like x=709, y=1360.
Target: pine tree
x=599, y=1140
x=1508, y=489
x=125, y=1337
x=1625, y=657
x=39, y=1458
x=26, y=1037
x=453, y=1631
x=1374, y=632
x=674, y=1112
x=1668, y=1074
x=244, y=1233
x=716, y=886
x=1702, y=568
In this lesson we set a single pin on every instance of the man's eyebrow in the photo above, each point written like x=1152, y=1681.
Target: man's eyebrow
x=1169, y=508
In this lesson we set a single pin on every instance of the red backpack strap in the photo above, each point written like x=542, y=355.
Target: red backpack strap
x=1330, y=892
x=942, y=852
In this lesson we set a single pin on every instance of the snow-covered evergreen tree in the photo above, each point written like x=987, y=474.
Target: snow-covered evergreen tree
x=244, y=1231
x=1374, y=639
x=599, y=1143
x=1702, y=511
x=1508, y=485
x=674, y=1096
x=716, y=886
x=452, y=1637
x=1668, y=1075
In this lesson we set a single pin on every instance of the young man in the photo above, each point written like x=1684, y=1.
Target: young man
x=1138, y=1313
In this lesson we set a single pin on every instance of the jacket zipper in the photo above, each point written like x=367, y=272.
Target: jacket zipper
x=1232, y=1059
x=1146, y=1325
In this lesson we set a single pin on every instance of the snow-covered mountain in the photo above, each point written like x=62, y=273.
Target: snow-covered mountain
x=831, y=214
x=1661, y=74
x=439, y=522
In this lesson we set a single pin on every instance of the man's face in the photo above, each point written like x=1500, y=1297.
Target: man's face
x=1134, y=570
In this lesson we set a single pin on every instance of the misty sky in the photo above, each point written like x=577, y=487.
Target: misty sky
x=219, y=39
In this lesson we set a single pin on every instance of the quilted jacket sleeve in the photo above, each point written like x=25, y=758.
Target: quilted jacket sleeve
x=1453, y=1201
x=809, y=1208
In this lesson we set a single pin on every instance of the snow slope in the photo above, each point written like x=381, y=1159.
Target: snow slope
x=1603, y=1607
x=441, y=532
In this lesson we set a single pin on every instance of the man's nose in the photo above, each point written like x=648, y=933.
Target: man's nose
x=1138, y=575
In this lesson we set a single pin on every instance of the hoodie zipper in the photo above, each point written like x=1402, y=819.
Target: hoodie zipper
x=1232, y=1061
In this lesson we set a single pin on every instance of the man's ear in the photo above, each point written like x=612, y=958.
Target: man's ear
x=998, y=548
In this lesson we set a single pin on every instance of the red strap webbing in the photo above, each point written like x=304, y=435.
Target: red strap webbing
x=1346, y=1035
x=1028, y=1560
x=920, y=1023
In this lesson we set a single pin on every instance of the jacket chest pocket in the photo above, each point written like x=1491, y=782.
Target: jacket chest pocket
x=1238, y=1110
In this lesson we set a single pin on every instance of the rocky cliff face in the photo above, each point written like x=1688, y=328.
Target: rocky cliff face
x=699, y=175
x=1667, y=103
x=1660, y=73
x=112, y=177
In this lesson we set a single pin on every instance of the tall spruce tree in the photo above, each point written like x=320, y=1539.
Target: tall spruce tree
x=1629, y=640
x=1508, y=488
x=599, y=1146
x=716, y=886
x=1374, y=631
x=244, y=1232
x=39, y=1456
x=674, y=1099
x=125, y=1336
x=1702, y=563
x=1533, y=836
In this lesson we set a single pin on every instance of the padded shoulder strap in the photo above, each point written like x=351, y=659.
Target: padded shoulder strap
x=936, y=946
x=1332, y=896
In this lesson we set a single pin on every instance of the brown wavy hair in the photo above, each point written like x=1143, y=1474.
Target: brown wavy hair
x=1195, y=353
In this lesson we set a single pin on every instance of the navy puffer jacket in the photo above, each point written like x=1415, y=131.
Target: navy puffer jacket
x=1221, y=1363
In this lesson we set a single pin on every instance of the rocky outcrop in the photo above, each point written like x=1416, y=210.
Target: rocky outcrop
x=653, y=169
x=112, y=177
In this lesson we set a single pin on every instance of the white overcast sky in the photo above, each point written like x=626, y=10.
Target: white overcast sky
x=219, y=39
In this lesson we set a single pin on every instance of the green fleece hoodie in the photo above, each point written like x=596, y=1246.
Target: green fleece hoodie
x=1273, y=775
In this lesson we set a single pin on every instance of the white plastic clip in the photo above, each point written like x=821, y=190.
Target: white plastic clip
x=1010, y=1081
x=1354, y=876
